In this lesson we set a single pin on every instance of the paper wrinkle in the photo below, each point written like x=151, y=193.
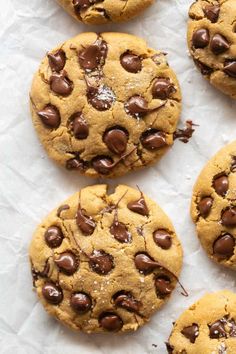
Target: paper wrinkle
x=31, y=185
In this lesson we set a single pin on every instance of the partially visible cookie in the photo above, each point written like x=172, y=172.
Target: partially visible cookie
x=212, y=42
x=105, y=104
x=105, y=262
x=214, y=206
x=104, y=11
x=207, y=327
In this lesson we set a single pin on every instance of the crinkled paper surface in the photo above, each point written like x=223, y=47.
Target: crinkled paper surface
x=31, y=185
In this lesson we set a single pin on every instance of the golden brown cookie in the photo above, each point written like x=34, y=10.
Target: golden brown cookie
x=207, y=327
x=104, y=11
x=105, y=104
x=104, y=263
x=212, y=42
x=214, y=206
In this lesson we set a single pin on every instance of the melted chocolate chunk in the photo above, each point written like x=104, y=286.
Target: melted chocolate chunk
x=205, y=70
x=163, y=239
x=219, y=44
x=101, y=262
x=230, y=68
x=232, y=326
x=127, y=301
x=103, y=164
x=84, y=222
x=185, y=134
x=36, y=274
x=60, y=84
x=221, y=185
x=53, y=236
x=153, y=139
x=116, y=140
x=212, y=12
x=57, y=60
x=82, y=4
x=61, y=209
x=131, y=62
x=102, y=98
x=119, y=230
x=80, y=303
x=139, y=206
x=204, y=206
x=94, y=55
x=170, y=348
x=110, y=322
x=162, y=88
x=217, y=330
x=136, y=106
x=233, y=164
x=67, y=262
x=144, y=263
x=163, y=285
x=50, y=116
x=228, y=217
x=76, y=164
x=224, y=246
x=191, y=332
x=201, y=38
x=79, y=126
x=52, y=293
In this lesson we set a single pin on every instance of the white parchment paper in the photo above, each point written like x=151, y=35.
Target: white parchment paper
x=31, y=185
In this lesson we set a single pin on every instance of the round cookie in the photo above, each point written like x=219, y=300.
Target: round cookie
x=105, y=104
x=213, y=206
x=207, y=327
x=104, y=11
x=103, y=263
x=212, y=42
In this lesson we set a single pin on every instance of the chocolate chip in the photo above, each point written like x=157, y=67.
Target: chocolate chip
x=53, y=237
x=67, y=262
x=60, y=84
x=205, y=70
x=170, y=348
x=111, y=322
x=101, y=262
x=84, y=222
x=80, y=302
x=102, y=164
x=79, y=126
x=163, y=239
x=204, y=206
x=131, y=62
x=185, y=134
x=191, y=332
x=233, y=164
x=201, y=38
x=153, y=139
x=119, y=230
x=139, y=206
x=221, y=185
x=82, y=4
x=163, y=285
x=217, y=329
x=102, y=98
x=162, y=88
x=126, y=301
x=76, y=164
x=228, y=217
x=144, y=263
x=50, y=116
x=43, y=274
x=57, y=60
x=94, y=55
x=224, y=246
x=52, y=293
x=61, y=209
x=116, y=140
x=136, y=106
x=219, y=44
x=232, y=326
x=212, y=12
x=230, y=68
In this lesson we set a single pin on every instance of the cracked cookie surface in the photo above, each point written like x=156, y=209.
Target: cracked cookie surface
x=212, y=42
x=213, y=206
x=105, y=262
x=105, y=104
x=208, y=326
x=104, y=11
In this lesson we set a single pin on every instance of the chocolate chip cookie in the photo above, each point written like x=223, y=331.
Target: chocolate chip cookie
x=214, y=206
x=212, y=42
x=104, y=263
x=207, y=327
x=104, y=11
x=105, y=104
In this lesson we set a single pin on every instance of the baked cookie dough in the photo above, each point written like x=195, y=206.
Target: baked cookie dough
x=212, y=42
x=207, y=327
x=214, y=206
x=104, y=11
x=105, y=104
x=103, y=263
